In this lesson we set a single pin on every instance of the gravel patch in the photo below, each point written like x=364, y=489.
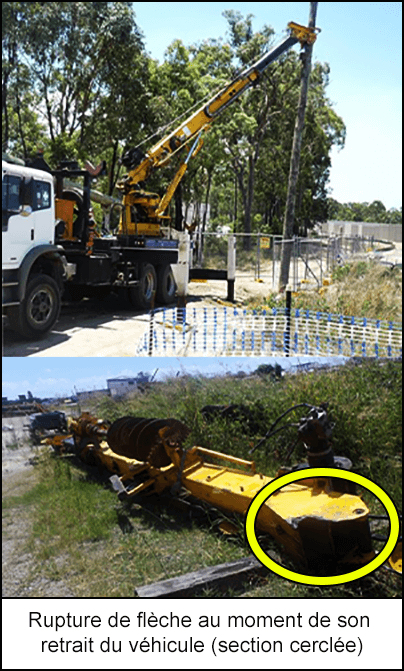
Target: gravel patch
x=20, y=576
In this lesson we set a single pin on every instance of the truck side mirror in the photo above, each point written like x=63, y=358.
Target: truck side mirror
x=26, y=210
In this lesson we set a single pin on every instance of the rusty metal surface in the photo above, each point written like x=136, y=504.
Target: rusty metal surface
x=139, y=438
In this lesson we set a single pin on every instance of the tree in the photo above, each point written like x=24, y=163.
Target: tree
x=76, y=81
x=295, y=157
x=256, y=134
x=375, y=212
x=268, y=369
x=178, y=85
x=85, y=62
x=21, y=127
x=249, y=123
x=394, y=216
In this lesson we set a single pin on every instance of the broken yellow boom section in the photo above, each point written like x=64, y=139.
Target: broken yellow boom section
x=320, y=522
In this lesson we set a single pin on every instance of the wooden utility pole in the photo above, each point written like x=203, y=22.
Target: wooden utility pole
x=295, y=157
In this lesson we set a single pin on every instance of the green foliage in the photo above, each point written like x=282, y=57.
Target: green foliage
x=78, y=83
x=364, y=212
x=79, y=59
x=365, y=404
x=269, y=369
x=353, y=269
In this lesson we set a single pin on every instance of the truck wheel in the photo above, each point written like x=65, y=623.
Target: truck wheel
x=142, y=294
x=166, y=286
x=40, y=308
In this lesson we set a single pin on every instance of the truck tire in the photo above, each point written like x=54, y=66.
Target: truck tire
x=40, y=308
x=142, y=295
x=166, y=286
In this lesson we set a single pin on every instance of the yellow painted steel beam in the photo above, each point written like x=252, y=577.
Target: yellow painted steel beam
x=396, y=558
x=315, y=524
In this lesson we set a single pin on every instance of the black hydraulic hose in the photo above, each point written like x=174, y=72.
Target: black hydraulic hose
x=270, y=430
x=269, y=435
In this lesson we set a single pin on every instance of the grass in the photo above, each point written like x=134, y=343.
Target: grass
x=68, y=508
x=13, y=446
x=83, y=535
x=360, y=289
x=366, y=289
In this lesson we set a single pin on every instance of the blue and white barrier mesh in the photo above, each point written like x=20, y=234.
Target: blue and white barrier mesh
x=225, y=331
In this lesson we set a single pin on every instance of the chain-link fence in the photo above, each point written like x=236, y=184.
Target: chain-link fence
x=258, y=255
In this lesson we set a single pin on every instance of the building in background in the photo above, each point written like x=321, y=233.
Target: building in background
x=119, y=386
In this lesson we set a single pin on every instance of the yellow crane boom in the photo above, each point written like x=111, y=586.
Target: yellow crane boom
x=143, y=212
x=322, y=523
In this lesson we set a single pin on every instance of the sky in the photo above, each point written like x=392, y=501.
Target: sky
x=361, y=41
x=61, y=377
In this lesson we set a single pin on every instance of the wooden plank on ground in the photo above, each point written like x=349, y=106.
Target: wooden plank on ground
x=231, y=574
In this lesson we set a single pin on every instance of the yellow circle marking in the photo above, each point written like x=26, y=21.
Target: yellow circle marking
x=283, y=480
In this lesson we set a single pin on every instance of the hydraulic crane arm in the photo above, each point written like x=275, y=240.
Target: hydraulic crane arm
x=161, y=151
x=141, y=165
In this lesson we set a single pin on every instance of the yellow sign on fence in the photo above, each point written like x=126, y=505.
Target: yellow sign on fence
x=265, y=243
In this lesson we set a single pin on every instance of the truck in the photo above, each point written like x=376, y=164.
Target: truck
x=51, y=248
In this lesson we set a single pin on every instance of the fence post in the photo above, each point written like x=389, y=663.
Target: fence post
x=307, y=262
x=181, y=268
x=181, y=274
x=258, y=264
x=328, y=255
x=231, y=267
x=288, y=320
x=321, y=263
x=151, y=325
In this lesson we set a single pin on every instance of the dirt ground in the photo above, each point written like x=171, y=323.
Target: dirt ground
x=18, y=475
x=106, y=329
x=103, y=329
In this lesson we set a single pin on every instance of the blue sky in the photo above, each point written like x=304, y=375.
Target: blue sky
x=361, y=41
x=62, y=376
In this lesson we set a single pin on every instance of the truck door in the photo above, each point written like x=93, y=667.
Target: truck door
x=44, y=212
x=23, y=230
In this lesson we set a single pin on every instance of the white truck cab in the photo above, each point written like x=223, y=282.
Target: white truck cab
x=28, y=212
x=32, y=264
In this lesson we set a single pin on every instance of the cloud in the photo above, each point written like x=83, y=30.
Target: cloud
x=50, y=386
x=90, y=383
x=14, y=387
